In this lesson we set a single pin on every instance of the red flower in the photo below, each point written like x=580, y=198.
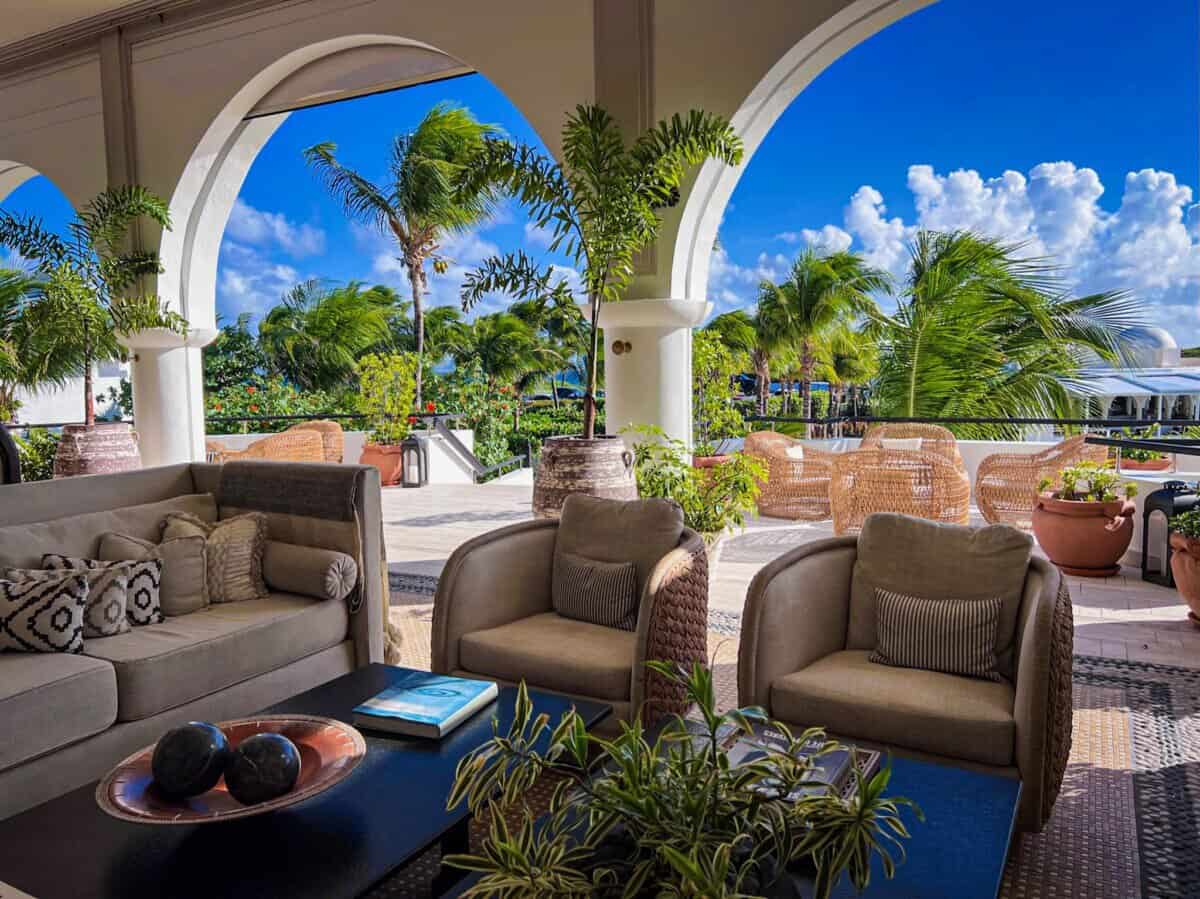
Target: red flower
x=251, y=390
x=430, y=406
x=504, y=390
x=253, y=407
x=504, y=406
x=217, y=407
x=412, y=419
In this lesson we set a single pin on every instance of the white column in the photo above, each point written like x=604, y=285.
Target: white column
x=649, y=382
x=168, y=394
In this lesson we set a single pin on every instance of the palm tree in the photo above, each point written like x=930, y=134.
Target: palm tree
x=982, y=332
x=601, y=205
x=425, y=198
x=510, y=352
x=852, y=361
x=92, y=281
x=24, y=361
x=760, y=337
x=558, y=317
x=315, y=336
x=823, y=291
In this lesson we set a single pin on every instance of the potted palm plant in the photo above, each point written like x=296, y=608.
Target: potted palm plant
x=1185, y=559
x=91, y=301
x=387, y=384
x=1085, y=527
x=601, y=206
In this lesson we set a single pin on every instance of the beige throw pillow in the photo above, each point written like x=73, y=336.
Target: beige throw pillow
x=184, y=585
x=233, y=552
x=104, y=612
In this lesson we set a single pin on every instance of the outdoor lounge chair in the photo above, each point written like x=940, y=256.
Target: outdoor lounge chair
x=797, y=485
x=1006, y=484
x=911, y=482
x=296, y=444
x=810, y=624
x=494, y=615
x=934, y=438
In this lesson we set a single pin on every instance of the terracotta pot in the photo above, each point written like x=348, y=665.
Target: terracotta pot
x=1162, y=464
x=709, y=461
x=1185, y=566
x=103, y=448
x=388, y=458
x=600, y=467
x=1083, y=538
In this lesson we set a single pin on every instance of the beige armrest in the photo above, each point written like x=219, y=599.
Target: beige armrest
x=496, y=578
x=308, y=570
x=795, y=613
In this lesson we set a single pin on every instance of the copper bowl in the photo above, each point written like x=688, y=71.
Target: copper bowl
x=329, y=751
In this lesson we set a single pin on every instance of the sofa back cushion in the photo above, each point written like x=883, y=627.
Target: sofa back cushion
x=938, y=561
x=23, y=545
x=608, y=530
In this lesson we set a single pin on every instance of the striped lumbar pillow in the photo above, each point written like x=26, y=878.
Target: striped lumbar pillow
x=597, y=592
x=955, y=636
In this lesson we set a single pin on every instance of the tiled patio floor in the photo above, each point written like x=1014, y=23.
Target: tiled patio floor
x=1121, y=617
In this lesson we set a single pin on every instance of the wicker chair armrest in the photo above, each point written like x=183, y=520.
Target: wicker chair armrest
x=1026, y=464
x=672, y=627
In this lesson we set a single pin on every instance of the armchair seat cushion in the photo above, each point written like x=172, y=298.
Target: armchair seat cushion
x=928, y=711
x=554, y=653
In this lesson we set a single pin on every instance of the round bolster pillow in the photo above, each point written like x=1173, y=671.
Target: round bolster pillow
x=309, y=571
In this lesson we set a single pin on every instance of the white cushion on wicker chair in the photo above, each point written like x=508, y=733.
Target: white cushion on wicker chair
x=909, y=444
x=795, y=452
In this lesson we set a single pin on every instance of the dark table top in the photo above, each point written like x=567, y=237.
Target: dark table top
x=957, y=853
x=338, y=844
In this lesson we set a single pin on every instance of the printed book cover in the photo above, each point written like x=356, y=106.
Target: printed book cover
x=425, y=704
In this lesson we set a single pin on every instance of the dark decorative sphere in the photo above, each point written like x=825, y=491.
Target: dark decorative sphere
x=189, y=760
x=262, y=767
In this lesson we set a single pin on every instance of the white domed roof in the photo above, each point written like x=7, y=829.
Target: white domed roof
x=1150, y=347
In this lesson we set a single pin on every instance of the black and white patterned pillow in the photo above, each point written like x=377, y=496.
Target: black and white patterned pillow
x=43, y=615
x=955, y=636
x=104, y=615
x=142, y=604
x=597, y=592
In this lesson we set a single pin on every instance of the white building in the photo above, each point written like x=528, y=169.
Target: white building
x=1158, y=382
x=63, y=405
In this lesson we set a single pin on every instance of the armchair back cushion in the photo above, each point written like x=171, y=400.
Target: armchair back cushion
x=606, y=530
x=603, y=593
x=938, y=561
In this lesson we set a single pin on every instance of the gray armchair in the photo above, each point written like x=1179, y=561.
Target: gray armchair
x=808, y=628
x=493, y=614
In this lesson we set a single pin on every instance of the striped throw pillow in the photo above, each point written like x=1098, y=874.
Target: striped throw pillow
x=597, y=592
x=955, y=636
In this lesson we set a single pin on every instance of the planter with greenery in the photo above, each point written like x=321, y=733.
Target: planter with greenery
x=1143, y=459
x=668, y=814
x=91, y=298
x=387, y=385
x=601, y=206
x=1086, y=526
x=717, y=419
x=1185, y=559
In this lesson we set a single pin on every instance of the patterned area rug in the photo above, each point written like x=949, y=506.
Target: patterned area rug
x=1127, y=823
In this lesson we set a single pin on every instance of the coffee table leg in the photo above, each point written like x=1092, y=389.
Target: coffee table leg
x=455, y=840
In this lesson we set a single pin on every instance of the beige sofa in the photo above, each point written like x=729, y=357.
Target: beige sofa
x=808, y=628
x=66, y=719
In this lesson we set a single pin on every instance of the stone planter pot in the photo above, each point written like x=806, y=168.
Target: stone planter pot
x=103, y=448
x=1083, y=538
x=600, y=467
x=1163, y=464
x=388, y=458
x=1185, y=566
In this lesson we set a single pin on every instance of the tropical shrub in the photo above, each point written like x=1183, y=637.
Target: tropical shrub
x=538, y=423
x=271, y=396
x=1186, y=523
x=464, y=394
x=669, y=814
x=1140, y=455
x=714, y=500
x=37, y=452
x=715, y=416
x=1091, y=482
x=386, y=389
x=235, y=357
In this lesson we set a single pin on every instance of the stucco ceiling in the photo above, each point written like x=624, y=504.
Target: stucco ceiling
x=23, y=19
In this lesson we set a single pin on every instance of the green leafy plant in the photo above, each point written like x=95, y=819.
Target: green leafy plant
x=92, y=280
x=234, y=357
x=37, y=451
x=713, y=500
x=1186, y=523
x=387, y=385
x=667, y=814
x=600, y=204
x=717, y=419
x=1140, y=455
x=266, y=397
x=1091, y=482
x=466, y=394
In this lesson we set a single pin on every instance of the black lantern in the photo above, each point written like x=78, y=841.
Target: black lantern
x=415, y=456
x=1171, y=499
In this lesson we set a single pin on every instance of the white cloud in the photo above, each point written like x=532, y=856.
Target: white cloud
x=250, y=282
x=263, y=229
x=538, y=237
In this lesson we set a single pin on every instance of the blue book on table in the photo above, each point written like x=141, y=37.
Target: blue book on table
x=422, y=704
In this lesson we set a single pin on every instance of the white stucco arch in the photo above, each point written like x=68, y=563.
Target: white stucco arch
x=753, y=119
x=13, y=175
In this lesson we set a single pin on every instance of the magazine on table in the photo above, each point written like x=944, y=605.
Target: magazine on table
x=421, y=704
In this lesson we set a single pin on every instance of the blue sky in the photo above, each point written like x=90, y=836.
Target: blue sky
x=1023, y=120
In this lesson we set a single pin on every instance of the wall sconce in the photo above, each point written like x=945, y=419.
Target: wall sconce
x=620, y=347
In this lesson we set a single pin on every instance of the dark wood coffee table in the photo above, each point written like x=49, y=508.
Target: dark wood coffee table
x=339, y=844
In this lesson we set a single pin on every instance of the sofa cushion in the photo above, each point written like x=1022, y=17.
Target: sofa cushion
x=161, y=666
x=49, y=701
x=639, y=531
x=554, y=653
x=22, y=546
x=950, y=635
x=938, y=561
x=308, y=570
x=943, y=714
x=603, y=593
x=233, y=552
x=183, y=587
x=142, y=602
x=43, y=615
x=104, y=613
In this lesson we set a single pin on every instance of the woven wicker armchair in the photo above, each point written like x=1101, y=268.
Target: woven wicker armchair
x=911, y=482
x=332, y=436
x=795, y=488
x=934, y=438
x=286, y=446
x=1006, y=484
